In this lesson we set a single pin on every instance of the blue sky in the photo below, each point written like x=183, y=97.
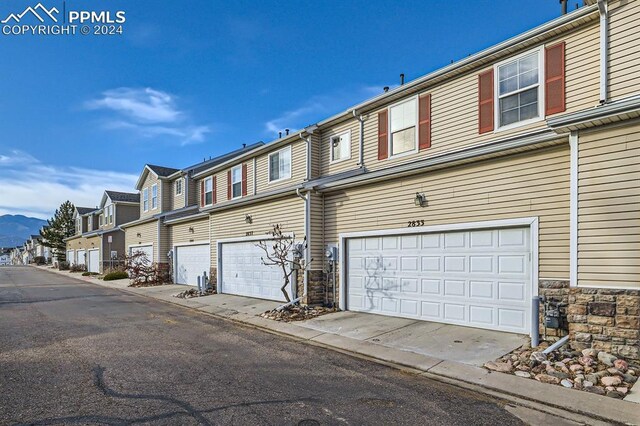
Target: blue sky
x=193, y=79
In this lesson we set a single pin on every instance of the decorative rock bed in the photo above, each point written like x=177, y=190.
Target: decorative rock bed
x=589, y=370
x=192, y=292
x=296, y=313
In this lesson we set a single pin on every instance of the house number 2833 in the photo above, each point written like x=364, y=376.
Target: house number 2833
x=414, y=223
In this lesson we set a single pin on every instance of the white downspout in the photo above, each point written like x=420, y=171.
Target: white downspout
x=307, y=230
x=604, y=50
x=360, y=139
x=308, y=142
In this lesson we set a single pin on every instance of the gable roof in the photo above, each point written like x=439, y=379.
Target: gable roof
x=124, y=197
x=162, y=171
x=84, y=210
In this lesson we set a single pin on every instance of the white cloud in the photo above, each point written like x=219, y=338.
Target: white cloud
x=16, y=157
x=319, y=107
x=37, y=189
x=150, y=113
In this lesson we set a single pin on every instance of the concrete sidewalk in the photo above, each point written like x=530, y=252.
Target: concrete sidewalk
x=570, y=404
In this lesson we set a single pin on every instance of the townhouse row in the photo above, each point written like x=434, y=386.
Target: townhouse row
x=458, y=197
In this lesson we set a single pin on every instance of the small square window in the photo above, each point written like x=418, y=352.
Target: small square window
x=236, y=182
x=341, y=147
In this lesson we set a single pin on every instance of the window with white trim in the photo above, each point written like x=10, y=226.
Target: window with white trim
x=179, y=187
x=145, y=199
x=280, y=165
x=154, y=196
x=101, y=220
x=90, y=225
x=110, y=209
x=236, y=181
x=341, y=147
x=402, y=127
x=519, y=89
x=208, y=191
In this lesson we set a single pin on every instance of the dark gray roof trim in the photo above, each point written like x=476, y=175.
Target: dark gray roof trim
x=162, y=171
x=126, y=197
x=84, y=210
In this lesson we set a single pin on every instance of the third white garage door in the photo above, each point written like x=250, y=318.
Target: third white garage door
x=475, y=278
x=244, y=274
x=191, y=262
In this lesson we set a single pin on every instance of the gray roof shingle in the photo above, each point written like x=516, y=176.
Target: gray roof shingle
x=197, y=168
x=127, y=197
x=162, y=171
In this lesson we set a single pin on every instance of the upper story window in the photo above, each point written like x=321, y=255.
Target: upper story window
x=208, y=191
x=145, y=199
x=179, y=187
x=100, y=220
x=90, y=225
x=280, y=165
x=236, y=181
x=79, y=225
x=402, y=126
x=341, y=147
x=154, y=196
x=109, y=217
x=519, y=92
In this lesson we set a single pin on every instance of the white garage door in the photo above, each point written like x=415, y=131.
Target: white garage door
x=148, y=250
x=94, y=261
x=244, y=274
x=474, y=278
x=191, y=262
x=70, y=257
x=80, y=257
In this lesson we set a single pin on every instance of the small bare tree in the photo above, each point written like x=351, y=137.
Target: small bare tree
x=281, y=250
x=141, y=270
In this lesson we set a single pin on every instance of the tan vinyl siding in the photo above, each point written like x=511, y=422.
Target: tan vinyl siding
x=78, y=243
x=454, y=107
x=164, y=245
x=178, y=201
x=609, y=208
x=316, y=155
x=288, y=212
x=524, y=185
x=126, y=213
x=317, y=231
x=148, y=236
x=148, y=183
x=328, y=167
x=624, y=49
x=165, y=194
x=191, y=186
x=94, y=243
x=180, y=231
x=117, y=244
x=298, y=168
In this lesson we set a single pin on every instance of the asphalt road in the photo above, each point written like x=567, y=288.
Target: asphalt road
x=75, y=353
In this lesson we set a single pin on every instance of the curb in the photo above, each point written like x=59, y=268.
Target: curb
x=560, y=402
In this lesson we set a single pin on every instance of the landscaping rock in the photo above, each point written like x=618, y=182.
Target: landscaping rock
x=545, y=378
x=611, y=381
x=538, y=357
x=606, y=358
x=590, y=352
x=502, y=367
x=295, y=313
x=566, y=383
x=587, y=384
x=621, y=365
x=595, y=389
x=593, y=378
x=524, y=374
x=615, y=394
x=623, y=390
x=587, y=361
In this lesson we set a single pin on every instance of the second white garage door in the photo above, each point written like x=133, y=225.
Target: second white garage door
x=80, y=257
x=191, y=262
x=244, y=274
x=474, y=278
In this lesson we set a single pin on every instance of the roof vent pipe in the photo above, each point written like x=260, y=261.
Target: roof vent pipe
x=286, y=131
x=386, y=89
x=401, y=79
x=563, y=6
x=279, y=135
x=244, y=145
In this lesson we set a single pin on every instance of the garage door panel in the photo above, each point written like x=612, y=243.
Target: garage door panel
x=191, y=262
x=476, y=278
x=94, y=261
x=243, y=272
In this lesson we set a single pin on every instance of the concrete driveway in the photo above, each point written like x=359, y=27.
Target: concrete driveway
x=467, y=345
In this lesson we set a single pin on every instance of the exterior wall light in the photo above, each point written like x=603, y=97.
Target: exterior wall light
x=191, y=229
x=138, y=235
x=420, y=200
x=248, y=218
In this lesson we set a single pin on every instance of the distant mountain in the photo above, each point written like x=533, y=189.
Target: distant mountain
x=15, y=229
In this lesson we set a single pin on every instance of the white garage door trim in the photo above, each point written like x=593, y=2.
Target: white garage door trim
x=90, y=266
x=531, y=222
x=81, y=254
x=134, y=246
x=219, y=244
x=176, y=248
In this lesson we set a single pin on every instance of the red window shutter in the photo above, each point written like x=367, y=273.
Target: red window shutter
x=228, y=184
x=485, y=102
x=214, y=186
x=244, y=180
x=554, y=85
x=383, y=134
x=202, y=192
x=424, y=121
